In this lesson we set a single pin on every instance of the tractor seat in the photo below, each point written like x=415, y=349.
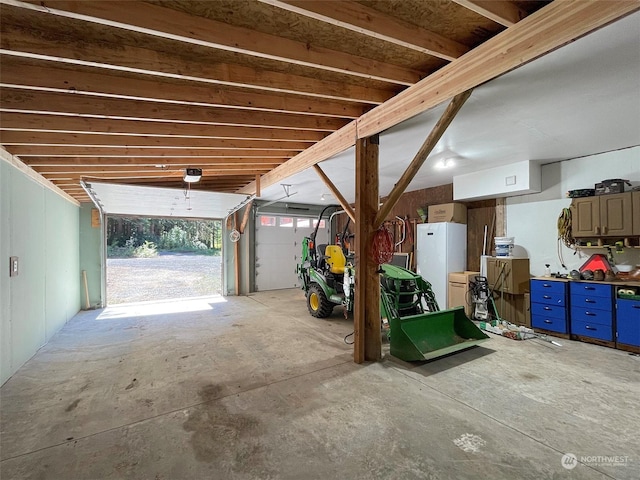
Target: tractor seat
x=335, y=259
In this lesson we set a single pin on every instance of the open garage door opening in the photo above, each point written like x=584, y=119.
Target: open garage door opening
x=151, y=259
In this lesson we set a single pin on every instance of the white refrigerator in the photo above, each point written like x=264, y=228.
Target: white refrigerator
x=441, y=248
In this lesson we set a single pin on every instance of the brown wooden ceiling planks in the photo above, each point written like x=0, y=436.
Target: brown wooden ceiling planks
x=97, y=84
x=95, y=126
x=123, y=58
x=49, y=139
x=370, y=22
x=183, y=27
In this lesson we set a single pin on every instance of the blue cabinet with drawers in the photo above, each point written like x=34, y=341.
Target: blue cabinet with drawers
x=549, y=305
x=592, y=310
x=588, y=311
x=628, y=322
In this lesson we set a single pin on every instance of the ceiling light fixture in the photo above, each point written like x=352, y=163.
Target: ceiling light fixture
x=445, y=163
x=192, y=175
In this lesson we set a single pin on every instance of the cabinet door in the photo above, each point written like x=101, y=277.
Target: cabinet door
x=628, y=322
x=615, y=214
x=585, y=215
x=635, y=211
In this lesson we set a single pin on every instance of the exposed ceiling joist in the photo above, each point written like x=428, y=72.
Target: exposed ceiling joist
x=181, y=27
x=60, y=80
x=125, y=58
x=367, y=21
x=25, y=101
x=93, y=161
x=103, y=126
x=545, y=30
x=88, y=171
x=25, y=151
x=51, y=139
x=504, y=12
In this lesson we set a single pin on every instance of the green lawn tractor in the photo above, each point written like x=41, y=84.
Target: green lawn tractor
x=327, y=275
x=419, y=330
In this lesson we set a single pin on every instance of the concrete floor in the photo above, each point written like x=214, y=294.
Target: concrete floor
x=255, y=388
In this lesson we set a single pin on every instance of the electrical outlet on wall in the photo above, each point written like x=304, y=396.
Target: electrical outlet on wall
x=13, y=266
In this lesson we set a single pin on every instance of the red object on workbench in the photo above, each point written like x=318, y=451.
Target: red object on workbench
x=595, y=262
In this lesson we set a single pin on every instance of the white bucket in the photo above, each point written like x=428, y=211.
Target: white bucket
x=504, y=246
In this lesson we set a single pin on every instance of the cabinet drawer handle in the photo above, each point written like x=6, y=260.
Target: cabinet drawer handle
x=548, y=321
x=605, y=229
x=635, y=306
x=591, y=314
x=546, y=296
x=597, y=230
x=588, y=327
x=588, y=300
x=546, y=285
x=589, y=288
x=547, y=308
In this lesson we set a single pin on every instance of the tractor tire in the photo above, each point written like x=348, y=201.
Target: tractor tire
x=317, y=302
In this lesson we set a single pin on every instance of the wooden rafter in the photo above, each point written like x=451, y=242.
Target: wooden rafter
x=541, y=32
x=142, y=152
x=72, y=105
x=49, y=139
x=504, y=12
x=367, y=21
x=336, y=193
x=47, y=78
x=102, y=126
x=182, y=27
x=96, y=161
x=125, y=58
x=215, y=170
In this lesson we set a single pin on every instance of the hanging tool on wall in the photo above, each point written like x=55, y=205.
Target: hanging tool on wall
x=403, y=233
x=565, y=235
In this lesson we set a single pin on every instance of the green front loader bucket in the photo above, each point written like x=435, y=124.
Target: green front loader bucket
x=431, y=335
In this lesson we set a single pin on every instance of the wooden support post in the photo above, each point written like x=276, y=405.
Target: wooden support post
x=258, y=186
x=367, y=341
x=436, y=133
x=336, y=193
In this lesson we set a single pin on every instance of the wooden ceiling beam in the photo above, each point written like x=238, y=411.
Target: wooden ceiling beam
x=13, y=137
x=196, y=162
x=549, y=28
x=504, y=12
x=68, y=104
x=123, y=58
x=102, y=126
x=178, y=26
x=209, y=171
x=79, y=82
x=367, y=21
x=25, y=151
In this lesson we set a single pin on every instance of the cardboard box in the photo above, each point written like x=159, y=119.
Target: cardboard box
x=447, y=212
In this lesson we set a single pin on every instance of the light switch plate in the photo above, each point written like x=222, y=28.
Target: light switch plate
x=13, y=266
